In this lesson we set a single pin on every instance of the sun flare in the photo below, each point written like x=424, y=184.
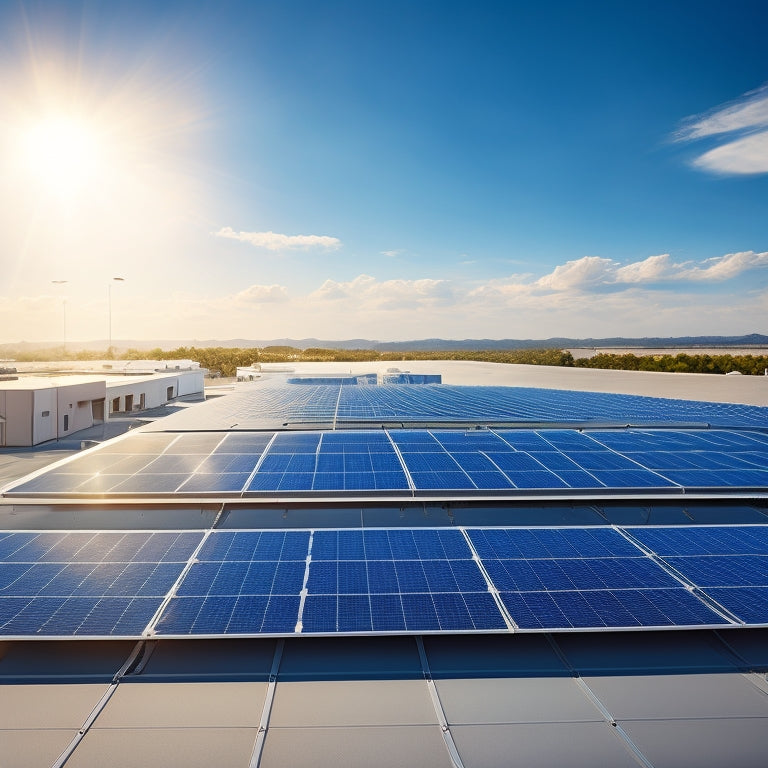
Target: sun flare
x=62, y=153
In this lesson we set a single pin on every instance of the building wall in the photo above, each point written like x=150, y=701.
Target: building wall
x=190, y=383
x=35, y=416
x=44, y=415
x=18, y=417
x=16, y=408
x=75, y=406
x=153, y=392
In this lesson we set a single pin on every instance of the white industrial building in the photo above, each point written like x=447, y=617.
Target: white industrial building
x=36, y=409
x=137, y=393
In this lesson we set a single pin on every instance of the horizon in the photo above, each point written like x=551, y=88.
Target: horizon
x=386, y=171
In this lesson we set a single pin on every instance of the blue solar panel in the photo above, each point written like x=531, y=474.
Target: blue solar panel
x=609, y=608
x=595, y=573
x=630, y=478
x=87, y=584
x=748, y=604
x=358, y=581
x=723, y=570
x=380, y=580
x=531, y=543
x=437, y=461
x=221, y=482
x=243, y=582
x=228, y=462
x=704, y=540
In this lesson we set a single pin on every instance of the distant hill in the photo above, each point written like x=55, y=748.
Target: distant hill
x=756, y=340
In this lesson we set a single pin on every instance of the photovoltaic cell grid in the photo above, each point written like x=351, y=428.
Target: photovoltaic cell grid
x=730, y=564
x=242, y=583
x=351, y=581
x=381, y=580
x=411, y=461
x=269, y=404
x=86, y=583
x=330, y=461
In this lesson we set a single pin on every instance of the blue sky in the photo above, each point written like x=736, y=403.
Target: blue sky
x=383, y=170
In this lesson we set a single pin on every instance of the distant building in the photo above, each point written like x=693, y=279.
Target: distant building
x=35, y=409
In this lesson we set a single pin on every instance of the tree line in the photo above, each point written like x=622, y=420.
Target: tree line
x=225, y=360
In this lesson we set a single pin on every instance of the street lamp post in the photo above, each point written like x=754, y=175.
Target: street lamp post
x=109, y=296
x=64, y=310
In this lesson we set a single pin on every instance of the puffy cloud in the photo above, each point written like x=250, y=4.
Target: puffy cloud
x=592, y=274
x=650, y=270
x=365, y=290
x=726, y=267
x=586, y=272
x=274, y=241
x=262, y=294
x=747, y=120
x=331, y=289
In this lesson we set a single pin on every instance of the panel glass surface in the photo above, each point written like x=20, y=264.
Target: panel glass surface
x=417, y=461
x=285, y=582
x=87, y=584
x=584, y=578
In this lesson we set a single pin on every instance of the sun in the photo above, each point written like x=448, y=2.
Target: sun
x=62, y=153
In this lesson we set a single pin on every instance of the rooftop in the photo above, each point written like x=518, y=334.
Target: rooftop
x=469, y=614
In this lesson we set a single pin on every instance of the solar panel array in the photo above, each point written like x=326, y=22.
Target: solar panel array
x=271, y=404
x=408, y=462
x=288, y=582
x=87, y=583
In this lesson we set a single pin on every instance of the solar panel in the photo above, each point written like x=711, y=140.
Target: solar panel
x=408, y=461
x=87, y=584
x=356, y=581
x=749, y=604
x=274, y=403
x=244, y=582
x=579, y=578
x=380, y=580
x=396, y=580
x=729, y=564
x=619, y=608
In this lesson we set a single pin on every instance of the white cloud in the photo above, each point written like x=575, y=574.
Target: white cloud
x=580, y=297
x=274, y=241
x=391, y=254
x=331, y=289
x=262, y=294
x=743, y=156
x=746, y=151
x=592, y=274
x=650, y=270
x=726, y=267
x=747, y=113
x=582, y=273
x=365, y=290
